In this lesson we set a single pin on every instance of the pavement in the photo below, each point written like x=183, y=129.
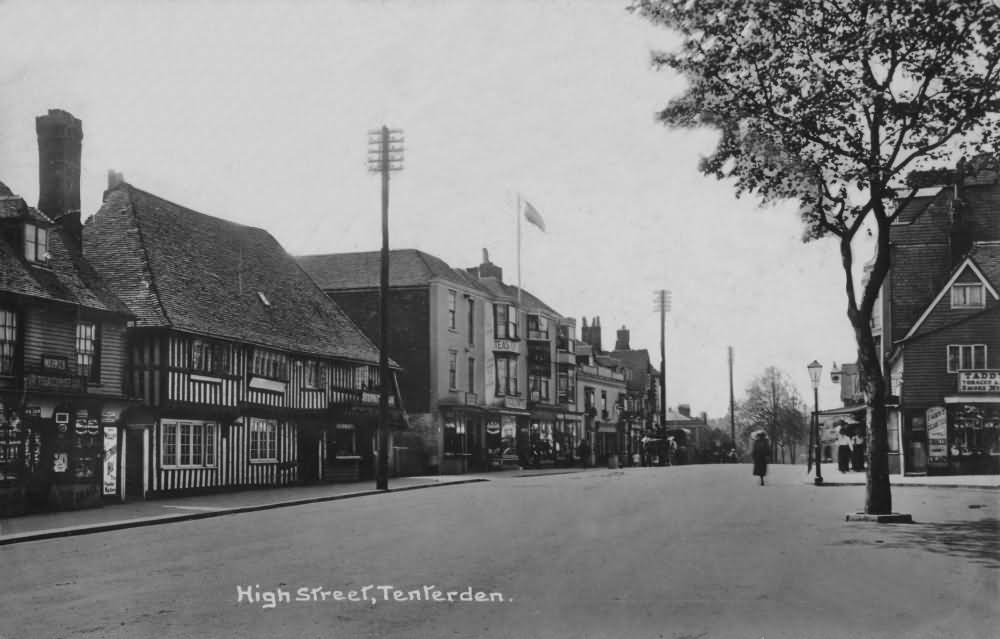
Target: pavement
x=647, y=553
x=134, y=514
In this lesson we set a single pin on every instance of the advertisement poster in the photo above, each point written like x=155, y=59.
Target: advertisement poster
x=937, y=435
x=110, y=461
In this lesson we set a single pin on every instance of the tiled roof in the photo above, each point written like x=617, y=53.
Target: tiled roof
x=407, y=267
x=193, y=272
x=65, y=276
x=986, y=255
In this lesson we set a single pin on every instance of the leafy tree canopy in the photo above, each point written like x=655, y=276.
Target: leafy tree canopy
x=822, y=100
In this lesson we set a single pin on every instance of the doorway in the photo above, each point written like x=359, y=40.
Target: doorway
x=135, y=457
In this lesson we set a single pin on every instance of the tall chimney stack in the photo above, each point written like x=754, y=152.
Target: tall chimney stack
x=621, y=344
x=60, y=141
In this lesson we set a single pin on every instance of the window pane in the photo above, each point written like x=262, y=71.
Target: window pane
x=209, y=444
x=169, y=444
x=979, y=357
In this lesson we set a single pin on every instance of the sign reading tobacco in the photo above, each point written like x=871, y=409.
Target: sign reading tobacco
x=979, y=382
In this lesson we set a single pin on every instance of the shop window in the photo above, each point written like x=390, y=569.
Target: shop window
x=967, y=296
x=263, y=439
x=187, y=444
x=270, y=364
x=8, y=341
x=451, y=309
x=974, y=435
x=970, y=357
x=346, y=440
x=455, y=439
x=88, y=351
x=36, y=243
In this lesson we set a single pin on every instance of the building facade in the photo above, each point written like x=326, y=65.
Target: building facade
x=938, y=325
x=249, y=375
x=487, y=376
x=62, y=344
x=602, y=391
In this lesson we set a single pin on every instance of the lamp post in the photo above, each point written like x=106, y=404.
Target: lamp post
x=815, y=370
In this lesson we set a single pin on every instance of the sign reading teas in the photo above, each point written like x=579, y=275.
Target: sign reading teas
x=979, y=382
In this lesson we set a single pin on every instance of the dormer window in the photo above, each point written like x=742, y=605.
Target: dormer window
x=36, y=243
x=967, y=296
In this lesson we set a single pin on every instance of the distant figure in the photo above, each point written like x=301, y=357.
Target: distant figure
x=761, y=453
x=858, y=453
x=843, y=451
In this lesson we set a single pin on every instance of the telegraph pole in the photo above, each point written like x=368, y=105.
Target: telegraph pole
x=385, y=154
x=662, y=302
x=732, y=401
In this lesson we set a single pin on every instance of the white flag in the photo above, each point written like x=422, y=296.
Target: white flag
x=533, y=216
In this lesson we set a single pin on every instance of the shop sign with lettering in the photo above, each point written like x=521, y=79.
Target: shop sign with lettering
x=503, y=345
x=110, y=460
x=979, y=382
x=937, y=435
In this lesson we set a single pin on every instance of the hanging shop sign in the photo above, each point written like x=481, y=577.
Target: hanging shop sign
x=110, y=474
x=979, y=382
x=937, y=435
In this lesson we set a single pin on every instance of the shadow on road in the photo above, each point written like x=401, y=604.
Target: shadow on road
x=974, y=540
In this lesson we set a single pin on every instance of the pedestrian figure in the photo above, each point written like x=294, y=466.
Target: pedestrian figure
x=761, y=453
x=843, y=451
x=857, y=452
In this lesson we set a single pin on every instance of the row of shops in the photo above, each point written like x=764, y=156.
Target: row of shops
x=960, y=437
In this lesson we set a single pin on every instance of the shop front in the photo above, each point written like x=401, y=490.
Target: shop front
x=59, y=456
x=461, y=447
x=501, y=440
x=350, y=442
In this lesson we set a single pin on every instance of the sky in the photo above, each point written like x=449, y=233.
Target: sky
x=258, y=112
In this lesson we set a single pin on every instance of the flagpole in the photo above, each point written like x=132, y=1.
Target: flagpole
x=519, y=250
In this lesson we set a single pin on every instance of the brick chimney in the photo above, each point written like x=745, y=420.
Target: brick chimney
x=592, y=334
x=60, y=140
x=487, y=268
x=621, y=344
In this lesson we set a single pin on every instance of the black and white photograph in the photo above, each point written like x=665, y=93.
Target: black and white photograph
x=556, y=319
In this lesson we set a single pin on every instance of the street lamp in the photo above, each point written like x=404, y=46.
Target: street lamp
x=815, y=370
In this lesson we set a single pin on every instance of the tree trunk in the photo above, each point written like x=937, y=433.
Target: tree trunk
x=878, y=497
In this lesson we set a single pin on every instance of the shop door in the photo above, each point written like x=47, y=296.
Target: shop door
x=309, y=439
x=135, y=456
x=916, y=446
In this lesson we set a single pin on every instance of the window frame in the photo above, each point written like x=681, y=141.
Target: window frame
x=452, y=370
x=960, y=359
x=269, y=441
x=452, y=309
x=38, y=250
x=498, y=324
x=275, y=363
x=88, y=363
x=966, y=286
x=8, y=342
x=471, y=374
x=208, y=440
x=509, y=367
x=471, y=320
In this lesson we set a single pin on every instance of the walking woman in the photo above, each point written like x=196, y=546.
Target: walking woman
x=761, y=453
